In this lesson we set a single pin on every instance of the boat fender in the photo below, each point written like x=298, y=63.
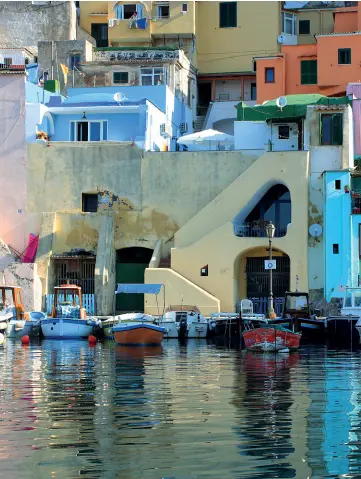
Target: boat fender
x=25, y=339
x=92, y=340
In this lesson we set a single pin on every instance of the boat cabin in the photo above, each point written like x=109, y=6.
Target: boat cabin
x=352, y=298
x=181, y=312
x=11, y=301
x=67, y=302
x=296, y=305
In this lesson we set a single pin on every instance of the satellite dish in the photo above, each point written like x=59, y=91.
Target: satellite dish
x=119, y=97
x=315, y=230
x=281, y=102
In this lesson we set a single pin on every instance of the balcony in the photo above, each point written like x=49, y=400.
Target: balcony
x=12, y=60
x=256, y=230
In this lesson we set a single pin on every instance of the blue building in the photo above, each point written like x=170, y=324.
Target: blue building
x=152, y=117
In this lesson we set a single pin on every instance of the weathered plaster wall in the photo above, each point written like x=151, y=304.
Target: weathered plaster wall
x=208, y=238
x=25, y=276
x=24, y=24
x=13, y=163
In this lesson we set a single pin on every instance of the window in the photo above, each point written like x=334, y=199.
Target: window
x=89, y=203
x=331, y=129
x=254, y=65
x=152, y=76
x=227, y=14
x=8, y=62
x=335, y=248
x=163, y=11
x=308, y=72
x=283, y=132
x=99, y=31
x=304, y=27
x=269, y=75
x=120, y=78
x=129, y=11
x=223, y=97
x=253, y=91
x=88, y=130
x=337, y=184
x=74, y=61
x=344, y=56
x=184, y=8
x=289, y=23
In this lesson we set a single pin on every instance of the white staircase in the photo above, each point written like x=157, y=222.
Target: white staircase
x=198, y=123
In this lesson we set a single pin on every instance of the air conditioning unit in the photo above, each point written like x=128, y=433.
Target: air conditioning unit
x=165, y=130
x=183, y=127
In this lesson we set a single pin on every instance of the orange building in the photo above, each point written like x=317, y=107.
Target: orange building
x=325, y=67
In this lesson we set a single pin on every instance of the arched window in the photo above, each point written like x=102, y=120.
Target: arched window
x=274, y=206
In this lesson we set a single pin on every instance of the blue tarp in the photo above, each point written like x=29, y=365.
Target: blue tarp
x=139, y=288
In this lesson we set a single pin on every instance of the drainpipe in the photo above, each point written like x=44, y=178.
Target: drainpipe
x=283, y=74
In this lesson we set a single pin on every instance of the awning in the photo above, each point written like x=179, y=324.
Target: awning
x=138, y=288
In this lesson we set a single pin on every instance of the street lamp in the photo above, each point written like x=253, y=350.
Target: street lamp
x=270, y=232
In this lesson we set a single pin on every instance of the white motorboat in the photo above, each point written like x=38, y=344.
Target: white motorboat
x=350, y=319
x=14, y=321
x=68, y=319
x=183, y=322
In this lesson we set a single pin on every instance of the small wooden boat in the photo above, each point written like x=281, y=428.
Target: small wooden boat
x=271, y=338
x=138, y=333
x=138, y=329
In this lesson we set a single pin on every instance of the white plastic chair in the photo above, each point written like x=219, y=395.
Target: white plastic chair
x=246, y=306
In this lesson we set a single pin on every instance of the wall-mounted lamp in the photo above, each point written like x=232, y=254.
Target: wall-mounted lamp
x=84, y=116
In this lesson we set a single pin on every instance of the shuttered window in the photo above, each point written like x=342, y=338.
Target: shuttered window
x=227, y=14
x=331, y=129
x=309, y=72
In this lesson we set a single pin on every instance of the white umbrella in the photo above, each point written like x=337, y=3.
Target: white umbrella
x=211, y=136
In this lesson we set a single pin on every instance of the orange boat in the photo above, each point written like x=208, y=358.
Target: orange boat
x=138, y=334
x=136, y=329
x=271, y=338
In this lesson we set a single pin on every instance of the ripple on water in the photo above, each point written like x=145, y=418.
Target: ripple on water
x=178, y=412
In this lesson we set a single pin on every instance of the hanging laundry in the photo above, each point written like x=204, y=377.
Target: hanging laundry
x=65, y=71
x=142, y=23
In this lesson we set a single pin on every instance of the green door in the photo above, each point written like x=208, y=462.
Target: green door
x=130, y=273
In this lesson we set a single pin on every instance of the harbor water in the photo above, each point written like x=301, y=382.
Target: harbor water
x=198, y=410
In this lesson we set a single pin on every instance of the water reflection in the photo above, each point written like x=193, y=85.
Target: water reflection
x=179, y=411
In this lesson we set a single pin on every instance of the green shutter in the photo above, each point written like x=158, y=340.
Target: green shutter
x=228, y=14
x=308, y=72
x=337, y=129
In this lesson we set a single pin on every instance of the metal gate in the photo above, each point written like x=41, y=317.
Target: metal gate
x=77, y=270
x=258, y=277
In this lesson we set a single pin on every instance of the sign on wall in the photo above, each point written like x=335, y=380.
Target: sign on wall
x=270, y=264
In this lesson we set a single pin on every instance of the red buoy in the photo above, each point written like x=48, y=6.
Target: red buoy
x=25, y=339
x=92, y=340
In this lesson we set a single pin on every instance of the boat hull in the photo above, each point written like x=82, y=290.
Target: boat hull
x=29, y=328
x=138, y=334
x=171, y=329
x=271, y=339
x=64, y=328
x=343, y=329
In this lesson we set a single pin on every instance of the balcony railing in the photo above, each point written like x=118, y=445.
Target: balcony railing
x=253, y=230
x=12, y=61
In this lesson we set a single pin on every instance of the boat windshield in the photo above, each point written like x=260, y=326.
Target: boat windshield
x=296, y=303
x=352, y=298
x=6, y=298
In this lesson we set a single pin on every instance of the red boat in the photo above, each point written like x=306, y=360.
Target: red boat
x=271, y=338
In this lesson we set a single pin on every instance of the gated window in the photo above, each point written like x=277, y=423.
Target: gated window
x=76, y=270
x=269, y=75
x=304, y=27
x=258, y=277
x=344, y=56
x=89, y=203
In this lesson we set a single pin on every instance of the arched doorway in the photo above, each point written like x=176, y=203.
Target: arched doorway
x=252, y=280
x=130, y=266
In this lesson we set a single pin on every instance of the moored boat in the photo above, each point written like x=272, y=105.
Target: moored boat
x=183, y=322
x=346, y=328
x=14, y=321
x=271, y=338
x=137, y=329
x=68, y=319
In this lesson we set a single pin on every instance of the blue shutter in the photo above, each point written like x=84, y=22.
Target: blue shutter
x=119, y=12
x=72, y=131
x=140, y=11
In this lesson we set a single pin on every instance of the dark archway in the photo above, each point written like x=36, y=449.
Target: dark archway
x=130, y=266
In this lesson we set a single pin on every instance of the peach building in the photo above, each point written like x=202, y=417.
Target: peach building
x=324, y=67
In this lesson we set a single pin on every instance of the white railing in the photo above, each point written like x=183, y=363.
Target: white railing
x=88, y=302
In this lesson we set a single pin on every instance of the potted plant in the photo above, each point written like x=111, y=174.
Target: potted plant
x=347, y=188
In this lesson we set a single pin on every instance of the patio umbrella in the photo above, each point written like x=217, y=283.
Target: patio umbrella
x=202, y=137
